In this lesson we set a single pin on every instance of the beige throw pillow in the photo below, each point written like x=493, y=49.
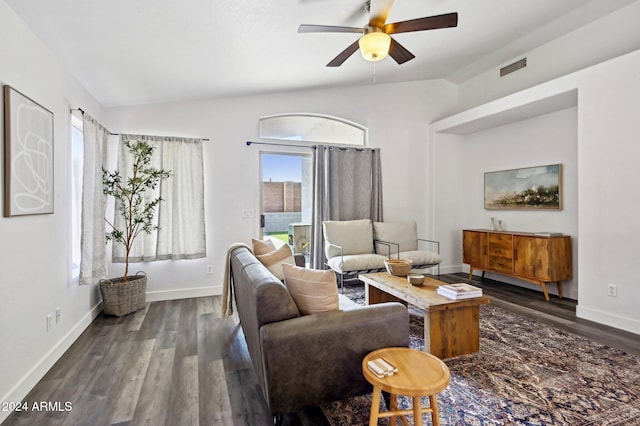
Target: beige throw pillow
x=313, y=290
x=275, y=259
x=262, y=246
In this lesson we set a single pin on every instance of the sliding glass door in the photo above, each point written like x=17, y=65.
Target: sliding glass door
x=287, y=197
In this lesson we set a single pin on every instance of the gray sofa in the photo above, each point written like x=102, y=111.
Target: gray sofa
x=308, y=360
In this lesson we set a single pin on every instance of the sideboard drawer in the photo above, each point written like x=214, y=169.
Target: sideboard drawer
x=501, y=264
x=501, y=245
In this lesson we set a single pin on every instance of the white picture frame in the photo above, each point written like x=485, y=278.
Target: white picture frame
x=28, y=156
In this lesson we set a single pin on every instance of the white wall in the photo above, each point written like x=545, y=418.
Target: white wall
x=611, y=36
x=543, y=140
x=605, y=181
x=397, y=116
x=34, y=250
x=609, y=194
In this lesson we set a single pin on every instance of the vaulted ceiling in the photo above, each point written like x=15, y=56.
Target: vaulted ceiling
x=129, y=52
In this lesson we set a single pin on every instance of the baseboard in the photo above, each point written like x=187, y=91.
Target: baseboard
x=38, y=371
x=623, y=323
x=183, y=293
x=450, y=269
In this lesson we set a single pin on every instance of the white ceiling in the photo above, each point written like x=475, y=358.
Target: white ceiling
x=142, y=51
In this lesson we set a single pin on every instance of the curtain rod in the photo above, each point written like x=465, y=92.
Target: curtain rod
x=362, y=149
x=281, y=144
x=116, y=134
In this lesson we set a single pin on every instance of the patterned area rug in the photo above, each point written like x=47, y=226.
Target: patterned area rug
x=526, y=373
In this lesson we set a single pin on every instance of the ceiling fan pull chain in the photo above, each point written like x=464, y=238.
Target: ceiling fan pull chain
x=374, y=73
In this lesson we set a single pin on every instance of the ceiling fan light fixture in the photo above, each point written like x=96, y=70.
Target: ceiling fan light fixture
x=374, y=46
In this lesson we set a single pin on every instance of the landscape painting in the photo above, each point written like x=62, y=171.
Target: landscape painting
x=537, y=188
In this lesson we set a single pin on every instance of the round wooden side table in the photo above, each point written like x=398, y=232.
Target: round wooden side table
x=419, y=374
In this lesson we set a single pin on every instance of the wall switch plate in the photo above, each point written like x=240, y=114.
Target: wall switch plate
x=612, y=290
x=209, y=269
x=48, y=322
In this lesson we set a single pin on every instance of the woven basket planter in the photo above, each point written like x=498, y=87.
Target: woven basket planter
x=121, y=297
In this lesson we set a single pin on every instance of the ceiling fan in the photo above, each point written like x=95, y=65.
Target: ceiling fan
x=376, y=42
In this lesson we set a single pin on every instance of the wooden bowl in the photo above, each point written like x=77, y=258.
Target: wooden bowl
x=398, y=267
x=415, y=279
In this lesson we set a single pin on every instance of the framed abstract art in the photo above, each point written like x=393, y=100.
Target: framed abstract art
x=28, y=156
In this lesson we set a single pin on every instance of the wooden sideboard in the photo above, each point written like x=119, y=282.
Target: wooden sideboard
x=538, y=259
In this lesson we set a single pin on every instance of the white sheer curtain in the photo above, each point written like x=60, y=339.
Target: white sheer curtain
x=347, y=186
x=92, y=241
x=180, y=216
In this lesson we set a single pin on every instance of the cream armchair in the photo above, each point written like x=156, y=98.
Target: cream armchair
x=405, y=244
x=355, y=247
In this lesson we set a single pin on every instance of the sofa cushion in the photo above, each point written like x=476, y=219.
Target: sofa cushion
x=354, y=236
x=262, y=246
x=403, y=233
x=275, y=259
x=313, y=290
x=359, y=262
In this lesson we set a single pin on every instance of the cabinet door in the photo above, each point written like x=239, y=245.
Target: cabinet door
x=531, y=257
x=474, y=248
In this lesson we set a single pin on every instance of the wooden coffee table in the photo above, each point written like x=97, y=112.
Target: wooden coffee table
x=451, y=327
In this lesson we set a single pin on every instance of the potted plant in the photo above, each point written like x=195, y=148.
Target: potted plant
x=136, y=206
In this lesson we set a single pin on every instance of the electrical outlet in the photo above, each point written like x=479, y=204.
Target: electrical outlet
x=209, y=269
x=58, y=314
x=612, y=290
x=48, y=322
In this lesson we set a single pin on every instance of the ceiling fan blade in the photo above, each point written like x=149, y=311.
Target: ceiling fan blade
x=399, y=53
x=304, y=28
x=447, y=20
x=379, y=11
x=344, y=55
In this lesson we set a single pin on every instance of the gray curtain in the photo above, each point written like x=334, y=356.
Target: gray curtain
x=347, y=186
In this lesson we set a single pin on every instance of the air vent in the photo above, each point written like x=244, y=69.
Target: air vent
x=513, y=67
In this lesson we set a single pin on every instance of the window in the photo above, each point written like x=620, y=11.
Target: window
x=180, y=216
x=76, y=193
x=313, y=128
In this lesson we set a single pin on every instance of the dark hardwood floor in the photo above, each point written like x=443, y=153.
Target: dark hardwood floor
x=178, y=363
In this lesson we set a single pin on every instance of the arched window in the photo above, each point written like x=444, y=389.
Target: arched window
x=313, y=128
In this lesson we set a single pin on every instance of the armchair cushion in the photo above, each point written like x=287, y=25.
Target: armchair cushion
x=421, y=257
x=313, y=290
x=403, y=233
x=360, y=262
x=354, y=236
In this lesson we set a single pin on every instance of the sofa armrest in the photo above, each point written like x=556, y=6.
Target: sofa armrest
x=317, y=358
